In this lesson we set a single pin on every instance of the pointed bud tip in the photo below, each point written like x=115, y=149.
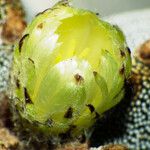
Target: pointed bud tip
x=95, y=73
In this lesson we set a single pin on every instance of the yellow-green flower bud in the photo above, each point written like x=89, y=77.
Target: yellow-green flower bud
x=69, y=68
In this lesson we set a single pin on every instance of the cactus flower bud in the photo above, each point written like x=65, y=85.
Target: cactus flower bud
x=69, y=68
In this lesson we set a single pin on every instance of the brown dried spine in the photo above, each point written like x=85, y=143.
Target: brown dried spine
x=78, y=78
x=91, y=108
x=27, y=97
x=69, y=113
x=21, y=41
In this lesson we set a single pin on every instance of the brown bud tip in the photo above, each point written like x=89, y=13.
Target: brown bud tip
x=122, y=70
x=78, y=78
x=40, y=25
x=27, y=97
x=21, y=41
x=64, y=2
x=122, y=53
x=69, y=113
x=95, y=73
x=144, y=52
x=91, y=108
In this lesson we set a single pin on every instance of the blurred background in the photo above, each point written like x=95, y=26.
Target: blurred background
x=104, y=7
